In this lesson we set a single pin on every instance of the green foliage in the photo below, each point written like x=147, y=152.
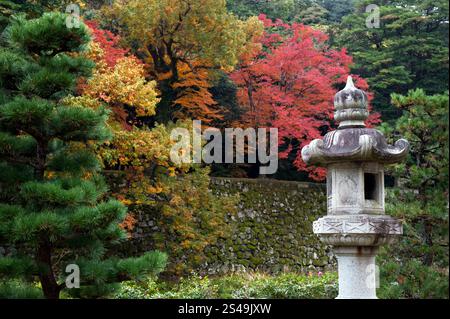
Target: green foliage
x=425, y=125
x=312, y=12
x=304, y=11
x=412, y=280
x=337, y=9
x=7, y=9
x=245, y=285
x=224, y=92
x=422, y=202
x=56, y=213
x=17, y=266
x=16, y=289
x=291, y=286
x=408, y=50
x=35, y=8
x=416, y=267
x=46, y=36
x=102, y=274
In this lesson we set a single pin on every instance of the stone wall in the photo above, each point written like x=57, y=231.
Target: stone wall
x=272, y=230
x=273, y=227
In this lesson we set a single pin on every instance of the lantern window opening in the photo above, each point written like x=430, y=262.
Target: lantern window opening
x=371, y=186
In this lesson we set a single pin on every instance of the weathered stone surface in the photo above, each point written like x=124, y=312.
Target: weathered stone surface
x=348, y=188
x=358, y=230
x=273, y=224
x=354, y=144
x=357, y=273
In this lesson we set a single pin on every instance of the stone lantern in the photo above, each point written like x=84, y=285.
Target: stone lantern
x=355, y=224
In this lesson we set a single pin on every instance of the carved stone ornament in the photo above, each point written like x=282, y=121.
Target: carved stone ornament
x=358, y=230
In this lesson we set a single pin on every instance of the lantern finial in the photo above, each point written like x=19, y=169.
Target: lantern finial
x=350, y=85
x=351, y=106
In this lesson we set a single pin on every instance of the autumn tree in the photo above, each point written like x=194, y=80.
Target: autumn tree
x=110, y=50
x=176, y=38
x=190, y=217
x=53, y=206
x=290, y=85
x=118, y=83
x=119, y=80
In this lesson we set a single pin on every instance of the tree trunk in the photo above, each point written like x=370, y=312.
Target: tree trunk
x=165, y=109
x=43, y=257
x=428, y=237
x=50, y=287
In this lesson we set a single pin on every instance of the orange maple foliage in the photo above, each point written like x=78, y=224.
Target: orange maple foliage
x=128, y=224
x=194, y=100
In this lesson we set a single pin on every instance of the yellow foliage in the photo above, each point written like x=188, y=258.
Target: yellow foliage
x=196, y=29
x=84, y=100
x=95, y=53
x=137, y=149
x=124, y=84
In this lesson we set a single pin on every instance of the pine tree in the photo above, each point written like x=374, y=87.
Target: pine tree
x=425, y=124
x=53, y=207
x=409, y=50
x=417, y=264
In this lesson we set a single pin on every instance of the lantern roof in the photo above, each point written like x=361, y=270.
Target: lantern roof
x=353, y=141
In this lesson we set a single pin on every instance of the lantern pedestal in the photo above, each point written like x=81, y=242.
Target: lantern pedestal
x=355, y=240
x=357, y=272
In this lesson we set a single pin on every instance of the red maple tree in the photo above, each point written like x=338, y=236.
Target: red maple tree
x=108, y=41
x=290, y=85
